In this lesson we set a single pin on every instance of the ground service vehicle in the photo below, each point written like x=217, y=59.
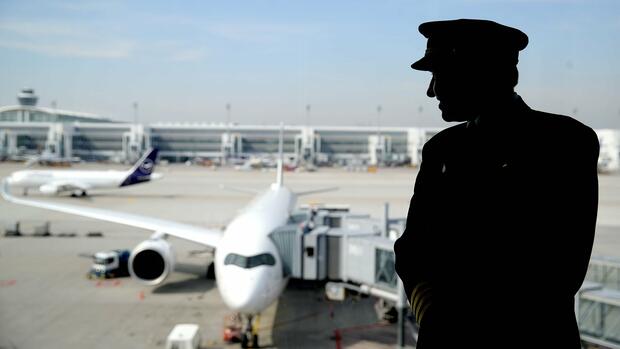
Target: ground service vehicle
x=184, y=336
x=109, y=264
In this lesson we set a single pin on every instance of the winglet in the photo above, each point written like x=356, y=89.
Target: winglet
x=279, y=179
x=141, y=171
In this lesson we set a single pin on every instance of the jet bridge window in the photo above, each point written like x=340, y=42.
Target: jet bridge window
x=250, y=262
x=385, y=272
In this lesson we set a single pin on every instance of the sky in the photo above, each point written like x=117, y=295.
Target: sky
x=270, y=60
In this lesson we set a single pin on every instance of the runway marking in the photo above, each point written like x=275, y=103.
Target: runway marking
x=108, y=283
x=7, y=283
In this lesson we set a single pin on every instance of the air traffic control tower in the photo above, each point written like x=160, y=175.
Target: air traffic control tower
x=27, y=97
x=29, y=129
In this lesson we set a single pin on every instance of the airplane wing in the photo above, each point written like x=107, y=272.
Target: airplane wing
x=63, y=186
x=239, y=189
x=204, y=236
x=315, y=191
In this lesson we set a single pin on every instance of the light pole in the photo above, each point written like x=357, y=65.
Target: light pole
x=135, y=113
x=228, y=113
x=380, y=160
x=308, y=114
x=379, y=109
x=228, y=145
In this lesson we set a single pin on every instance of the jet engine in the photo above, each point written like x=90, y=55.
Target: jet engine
x=151, y=261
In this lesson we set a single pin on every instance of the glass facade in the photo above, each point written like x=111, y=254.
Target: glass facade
x=13, y=115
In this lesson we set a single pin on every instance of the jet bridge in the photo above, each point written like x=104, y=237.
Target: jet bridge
x=347, y=251
x=332, y=244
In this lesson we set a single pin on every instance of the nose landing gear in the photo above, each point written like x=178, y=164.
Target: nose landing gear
x=249, y=338
x=243, y=329
x=78, y=193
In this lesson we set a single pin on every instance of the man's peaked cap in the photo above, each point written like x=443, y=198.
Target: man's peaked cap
x=472, y=39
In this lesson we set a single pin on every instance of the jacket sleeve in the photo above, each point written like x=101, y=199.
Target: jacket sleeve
x=576, y=191
x=412, y=248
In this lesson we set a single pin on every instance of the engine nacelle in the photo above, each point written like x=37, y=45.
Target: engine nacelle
x=151, y=261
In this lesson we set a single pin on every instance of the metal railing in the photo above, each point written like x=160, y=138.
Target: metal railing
x=598, y=303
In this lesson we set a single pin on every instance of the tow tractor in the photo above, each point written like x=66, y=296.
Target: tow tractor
x=109, y=264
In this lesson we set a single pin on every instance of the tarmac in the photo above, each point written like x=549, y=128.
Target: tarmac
x=46, y=301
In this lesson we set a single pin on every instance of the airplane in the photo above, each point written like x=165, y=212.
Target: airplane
x=79, y=182
x=248, y=267
x=47, y=158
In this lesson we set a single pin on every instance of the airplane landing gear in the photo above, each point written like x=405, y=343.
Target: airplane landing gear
x=242, y=328
x=211, y=271
x=249, y=338
x=78, y=193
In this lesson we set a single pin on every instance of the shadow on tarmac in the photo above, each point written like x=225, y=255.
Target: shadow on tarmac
x=194, y=285
x=197, y=284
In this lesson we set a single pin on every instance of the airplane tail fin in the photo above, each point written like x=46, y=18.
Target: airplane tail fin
x=141, y=170
x=31, y=161
x=279, y=178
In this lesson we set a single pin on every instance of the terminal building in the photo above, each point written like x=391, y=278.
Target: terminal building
x=26, y=129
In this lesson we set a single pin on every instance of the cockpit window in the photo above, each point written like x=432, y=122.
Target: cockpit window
x=250, y=262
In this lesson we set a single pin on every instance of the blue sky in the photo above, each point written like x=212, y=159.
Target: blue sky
x=184, y=61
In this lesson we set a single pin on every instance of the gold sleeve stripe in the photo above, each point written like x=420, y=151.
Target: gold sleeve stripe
x=420, y=289
x=422, y=303
x=419, y=285
x=418, y=317
x=420, y=297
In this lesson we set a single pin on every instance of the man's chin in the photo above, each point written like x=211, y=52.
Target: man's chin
x=450, y=116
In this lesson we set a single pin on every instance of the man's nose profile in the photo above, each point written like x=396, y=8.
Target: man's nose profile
x=490, y=215
x=431, y=88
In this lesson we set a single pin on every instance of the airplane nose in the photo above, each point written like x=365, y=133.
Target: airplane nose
x=241, y=300
x=244, y=293
x=239, y=294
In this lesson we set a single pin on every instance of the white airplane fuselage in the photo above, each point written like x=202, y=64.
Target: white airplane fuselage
x=94, y=179
x=251, y=288
x=60, y=181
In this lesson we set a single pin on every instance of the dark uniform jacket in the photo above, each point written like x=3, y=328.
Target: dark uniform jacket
x=500, y=230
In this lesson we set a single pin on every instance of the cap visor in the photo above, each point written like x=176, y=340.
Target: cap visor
x=423, y=64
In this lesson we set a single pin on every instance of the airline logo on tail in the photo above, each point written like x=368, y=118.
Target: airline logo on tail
x=147, y=166
x=141, y=171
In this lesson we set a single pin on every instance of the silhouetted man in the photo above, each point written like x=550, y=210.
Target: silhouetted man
x=501, y=223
